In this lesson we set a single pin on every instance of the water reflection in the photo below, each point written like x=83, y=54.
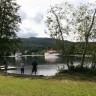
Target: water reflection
x=18, y=61
x=51, y=59
x=46, y=65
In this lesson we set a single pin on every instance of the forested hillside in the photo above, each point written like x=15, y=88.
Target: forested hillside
x=32, y=42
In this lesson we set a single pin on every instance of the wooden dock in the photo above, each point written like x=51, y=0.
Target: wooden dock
x=9, y=68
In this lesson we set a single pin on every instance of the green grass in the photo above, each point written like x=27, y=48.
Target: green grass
x=12, y=86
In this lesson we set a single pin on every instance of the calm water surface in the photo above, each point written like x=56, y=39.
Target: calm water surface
x=47, y=66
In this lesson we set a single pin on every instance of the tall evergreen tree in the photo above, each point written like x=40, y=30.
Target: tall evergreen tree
x=9, y=24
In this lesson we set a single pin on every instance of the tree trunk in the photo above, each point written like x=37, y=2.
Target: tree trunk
x=84, y=53
x=86, y=40
x=68, y=61
x=93, y=60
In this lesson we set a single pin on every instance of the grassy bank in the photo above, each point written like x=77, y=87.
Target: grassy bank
x=13, y=86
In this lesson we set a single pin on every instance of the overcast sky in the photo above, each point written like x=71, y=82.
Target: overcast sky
x=32, y=13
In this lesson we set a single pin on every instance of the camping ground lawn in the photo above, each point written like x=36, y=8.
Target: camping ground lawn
x=15, y=86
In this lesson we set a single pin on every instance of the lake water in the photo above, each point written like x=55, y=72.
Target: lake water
x=47, y=66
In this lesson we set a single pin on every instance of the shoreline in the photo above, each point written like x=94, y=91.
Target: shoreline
x=65, y=76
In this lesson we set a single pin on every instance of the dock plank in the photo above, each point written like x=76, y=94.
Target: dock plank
x=9, y=68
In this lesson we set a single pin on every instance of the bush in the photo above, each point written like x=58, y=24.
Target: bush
x=78, y=69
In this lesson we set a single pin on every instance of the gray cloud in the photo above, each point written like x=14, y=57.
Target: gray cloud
x=23, y=14
x=27, y=33
x=38, y=18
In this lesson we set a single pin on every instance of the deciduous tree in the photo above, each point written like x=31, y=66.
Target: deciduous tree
x=59, y=22
x=9, y=24
x=85, y=24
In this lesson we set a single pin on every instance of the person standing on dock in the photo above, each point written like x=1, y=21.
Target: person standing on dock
x=5, y=62
x=22, y=68
x=34, y=67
